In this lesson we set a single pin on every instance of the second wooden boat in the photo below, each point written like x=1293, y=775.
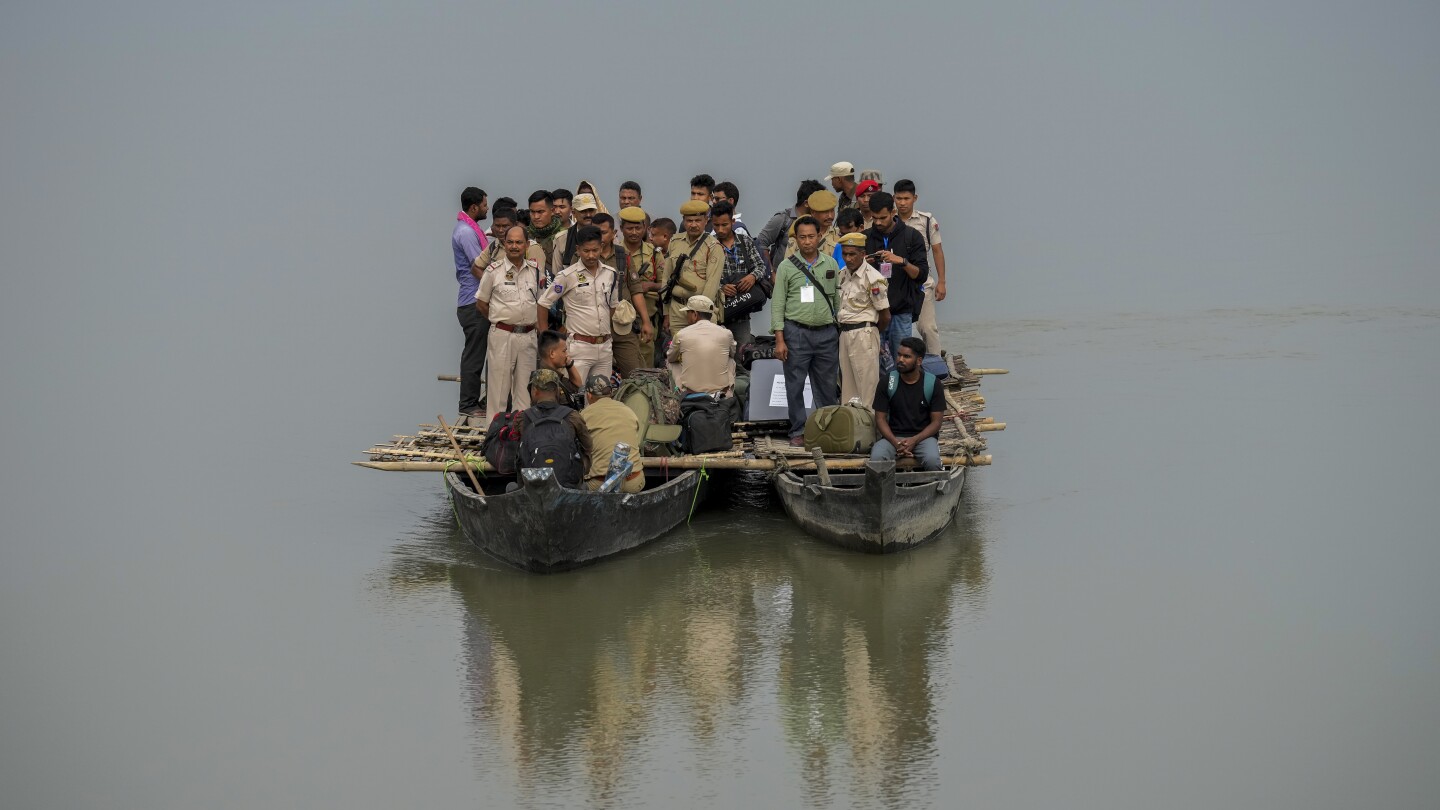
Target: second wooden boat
x=878, y=511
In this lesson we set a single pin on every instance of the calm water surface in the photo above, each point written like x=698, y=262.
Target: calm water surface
x=1201, y=573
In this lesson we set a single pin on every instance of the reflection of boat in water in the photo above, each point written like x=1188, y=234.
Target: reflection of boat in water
x=579, y=688
x=857, y=677
x=878, y=510
x=544, y=527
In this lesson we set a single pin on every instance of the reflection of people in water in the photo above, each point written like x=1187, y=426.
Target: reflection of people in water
x=569, y=675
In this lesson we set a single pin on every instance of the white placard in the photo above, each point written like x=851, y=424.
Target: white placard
x=777, y=393
x=807, y=294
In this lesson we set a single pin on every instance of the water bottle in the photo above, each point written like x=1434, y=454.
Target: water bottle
x=620, y=468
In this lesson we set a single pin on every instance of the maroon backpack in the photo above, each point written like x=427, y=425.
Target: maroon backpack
x=502, y=443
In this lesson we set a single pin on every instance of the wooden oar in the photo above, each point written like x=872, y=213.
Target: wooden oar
x=474, y=482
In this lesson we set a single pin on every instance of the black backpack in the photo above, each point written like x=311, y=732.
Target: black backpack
x=548, y=440
x=502, y=443
x=707, y=424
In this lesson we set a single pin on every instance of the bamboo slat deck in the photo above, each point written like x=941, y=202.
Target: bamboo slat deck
x=756, y=445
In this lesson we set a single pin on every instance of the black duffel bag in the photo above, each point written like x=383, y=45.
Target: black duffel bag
x=707, y=423
x=762, y=348
x=745, y=304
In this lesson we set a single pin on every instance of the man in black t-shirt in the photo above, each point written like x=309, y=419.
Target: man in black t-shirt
x=909, y=406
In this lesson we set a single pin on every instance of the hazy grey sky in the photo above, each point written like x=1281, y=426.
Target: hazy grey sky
x=197, y=197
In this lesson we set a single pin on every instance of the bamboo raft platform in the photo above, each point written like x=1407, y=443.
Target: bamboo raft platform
x=761, y=446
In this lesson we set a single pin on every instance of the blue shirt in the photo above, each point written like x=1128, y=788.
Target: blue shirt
x=467, y=247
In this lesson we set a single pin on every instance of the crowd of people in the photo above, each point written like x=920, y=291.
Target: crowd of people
x=559, y=299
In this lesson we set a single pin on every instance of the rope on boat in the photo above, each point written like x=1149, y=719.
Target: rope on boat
x=694, y=499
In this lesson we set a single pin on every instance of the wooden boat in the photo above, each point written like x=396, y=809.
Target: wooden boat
x=544, y=527
x=878, y=511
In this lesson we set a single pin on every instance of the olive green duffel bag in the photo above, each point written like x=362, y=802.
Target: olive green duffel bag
x=841, y=429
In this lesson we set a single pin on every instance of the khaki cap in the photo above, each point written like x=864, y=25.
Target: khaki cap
x=855, y=239
x=584, y=202
x=632, y=214
x=699, y=303
x=692, y=207
x=823, y=200
x=622, y=318
x=842, y=169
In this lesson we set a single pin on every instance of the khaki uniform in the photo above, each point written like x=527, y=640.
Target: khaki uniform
x=643, y=267
x=609, y=423
x=925, y=223
x=828, y=241
x=703, y=357
x=589, y=300
x=698, y=276
x=495, y=252
x=862, y=294
x=511, y=293
x=626, y=348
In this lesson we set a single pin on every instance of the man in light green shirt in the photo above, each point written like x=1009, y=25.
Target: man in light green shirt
x=802, y=316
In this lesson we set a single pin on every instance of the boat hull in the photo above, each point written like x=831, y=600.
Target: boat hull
x=880, y=511
x=544, y=528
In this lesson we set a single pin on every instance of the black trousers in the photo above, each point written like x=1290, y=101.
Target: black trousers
x=472, y=357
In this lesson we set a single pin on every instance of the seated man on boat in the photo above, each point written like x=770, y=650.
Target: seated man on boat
x=702, y=356
x=551, y=434
x=610, y=423
x=909, y=406
x=555, y=355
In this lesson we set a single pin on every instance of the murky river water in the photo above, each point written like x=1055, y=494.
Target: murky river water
x=1200, y=574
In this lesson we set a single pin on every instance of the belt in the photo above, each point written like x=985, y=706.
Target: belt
x=846, y=327
x=509, y=327
x=808, y=326
x=633, y=475
x=589, y=338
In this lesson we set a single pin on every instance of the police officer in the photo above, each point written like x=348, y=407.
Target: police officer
x=640, y=260
x=703, y=353
x=590, y=291
x=701, y=260
x=626, y=337
x=503, y=219
x=822, y=209
x=864, y=312
x=508, y=293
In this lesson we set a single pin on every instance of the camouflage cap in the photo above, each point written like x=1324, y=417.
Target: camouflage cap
x=545, y=379
x=600, y=385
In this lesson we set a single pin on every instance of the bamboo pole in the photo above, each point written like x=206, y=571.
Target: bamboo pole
x=448, y=377
x=475, y=482
x=984, y=427
x=695, y=462
x=980, y=372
